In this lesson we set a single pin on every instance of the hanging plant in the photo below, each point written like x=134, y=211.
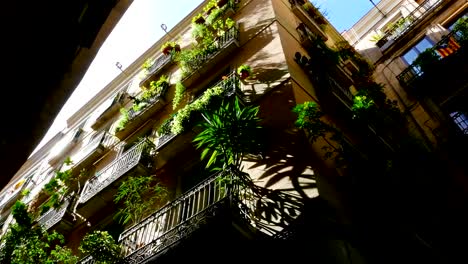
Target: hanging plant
x=210, y=7
x=198, y=19
x=170, y=46
x=244, y=71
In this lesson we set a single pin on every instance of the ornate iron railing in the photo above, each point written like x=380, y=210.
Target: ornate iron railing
x=448, y=45
x=172, y=222
x=53, y=216
x=113, y=171
x=104, y=139
x=408, y=22
x=157, y=65
x=343, y=93
x=87, y=260
x=230, y=36
x=151, y=101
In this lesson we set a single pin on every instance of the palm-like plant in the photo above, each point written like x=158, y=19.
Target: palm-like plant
x=228, y=134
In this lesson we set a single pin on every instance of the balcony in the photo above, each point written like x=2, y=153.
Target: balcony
x=97, y=145
x=54, y=216
x=119, y=101
x=331, y=81
x=311, y=19
x=214, y=53
x=306, y=37
x=161, y=63
x=10, y=196
x=137, y=159
x=344, y=95
x=445, y=48
x=230, y=84
x=404, y=25
x=173, y=222
x=137, y=118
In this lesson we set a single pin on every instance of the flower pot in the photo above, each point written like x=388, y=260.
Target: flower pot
x=200, y=20
x=167, y=50
x=177, y=48
x=208, y=12
x=244, y=74
x=221, y=3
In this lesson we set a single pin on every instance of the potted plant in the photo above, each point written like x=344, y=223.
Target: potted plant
x=169, y=46
x=210, y=7
x=221, y=3
x=198, y=19
x=244, y=71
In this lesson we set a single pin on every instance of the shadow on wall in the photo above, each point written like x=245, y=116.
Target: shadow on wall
x=285, y=165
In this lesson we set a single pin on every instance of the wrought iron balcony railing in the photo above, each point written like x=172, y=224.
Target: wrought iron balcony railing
x=172, y=222
x=14, y=193
x=343, y=94
x=160, y=63
x=87, y=260
x=447, y=46
x=324, y=79
x=407, y=23
x=103, y=139
x=132, y=113
x=114, y=171
x=136, y=116
x=53, y=216
x=231, y=36
x=310, y=16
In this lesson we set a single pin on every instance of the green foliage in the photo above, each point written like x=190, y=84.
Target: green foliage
x=58, y=188
x=165, y=127
x=376, y=37
x=101, y=246
x=223, y=25
x=139, y=195
x=461, y=27
x=157, y=88
x=26, y=192
x=326, y=53
x=400, y=24
x=184, y=116
x=147, y=64
x=123, y=120
x=179, y=94
x=214, y=15
x=210, y=6
x=229, y=133
x=426, y=58
x=244, y=67
x=25, y=243
x=168, y=44
x=372, y=106
x=309, y=118
x=198, y=17
x=199, y=31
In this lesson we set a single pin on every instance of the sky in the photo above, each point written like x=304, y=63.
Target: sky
x=344, y=13
x=140, y=27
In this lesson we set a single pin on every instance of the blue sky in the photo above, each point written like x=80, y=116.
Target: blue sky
x=344, y=13
x=140, y=27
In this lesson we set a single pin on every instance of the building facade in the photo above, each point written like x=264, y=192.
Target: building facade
x=418, y=49
x=142, y=124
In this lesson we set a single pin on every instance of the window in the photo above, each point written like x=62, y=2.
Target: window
x=417, y=49
x=452, y=24
x=461, y=119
